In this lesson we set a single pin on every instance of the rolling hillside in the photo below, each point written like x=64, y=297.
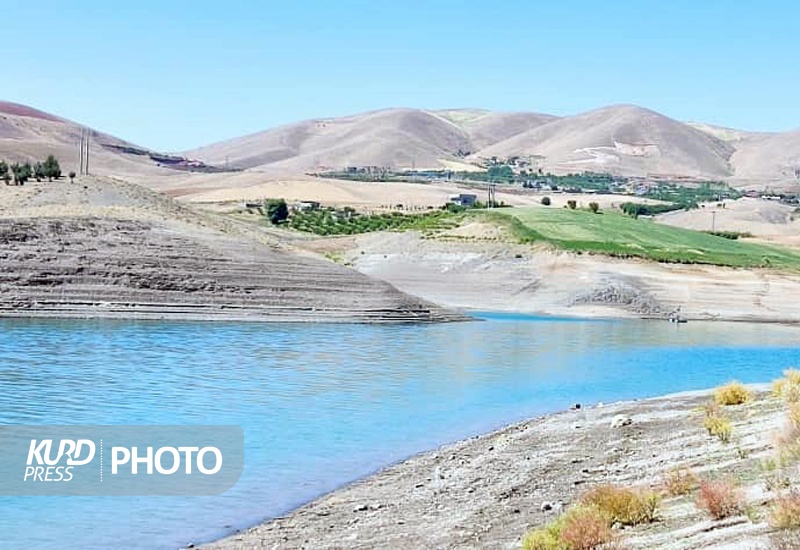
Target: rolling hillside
x=622, y=139
x=400, y=138
x=768, y=158
x=29, y=135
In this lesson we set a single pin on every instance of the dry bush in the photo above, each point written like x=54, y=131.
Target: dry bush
x=785, y=511
x=711, y=408
x=585, y=528
x=680, y=481
x=719, y=426
x=720, y=498
x=794, y=414
x=788, y=387
x=543, y=539
x=626, y=506
x=787, y=441
x=732, y=393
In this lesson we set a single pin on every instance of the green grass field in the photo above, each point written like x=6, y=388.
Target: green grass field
x=619, y=235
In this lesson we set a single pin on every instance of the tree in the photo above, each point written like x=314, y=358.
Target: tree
x=27, y=172
x=572, y=204
x=72, y=177
x=594, y=207
x=38, y=171
x=51, y=168
x=21, y=173
x=502, y=172
x=277, y=210
x=546, y=201
x=4, y=172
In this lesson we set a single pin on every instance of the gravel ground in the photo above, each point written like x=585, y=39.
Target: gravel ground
x=488, y=491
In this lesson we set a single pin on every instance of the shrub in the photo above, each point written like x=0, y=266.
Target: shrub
x=720, y=427
x=546, y=201
x=720, y=499
x=572, y=204
x=788, y=442
x=594, y=207
x=542, y=539
x=626, y=506
x=680, y=481
x=546, y=538
x=732, y=393
x=785, y=511
x=580, y=528
x=585, y=528
x=788, y=387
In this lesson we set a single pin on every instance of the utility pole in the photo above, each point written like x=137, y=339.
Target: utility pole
x=713, y=220
x=86, y=149
x=492, y=187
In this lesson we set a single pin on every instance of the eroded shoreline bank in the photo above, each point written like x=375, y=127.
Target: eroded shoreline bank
x=489, y=490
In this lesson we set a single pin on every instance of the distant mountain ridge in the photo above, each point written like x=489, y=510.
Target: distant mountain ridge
x=619, y=139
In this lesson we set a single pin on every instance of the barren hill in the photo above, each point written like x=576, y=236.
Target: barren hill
x=396, y=137
x=29, y=135
x=486, y=128
x=399, y=138
x=623, y=139
x=768, y=159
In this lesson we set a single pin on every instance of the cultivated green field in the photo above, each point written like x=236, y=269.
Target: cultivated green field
x=622, y=236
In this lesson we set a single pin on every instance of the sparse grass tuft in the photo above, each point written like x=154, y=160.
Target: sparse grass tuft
x=720, y=427
x=680, y=481
x=775, y=479
x=626, y=506
x=788, y=539
x=785, y=511
x=720, y=499
x=732, y=393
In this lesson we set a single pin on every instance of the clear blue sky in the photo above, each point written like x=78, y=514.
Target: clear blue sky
x=176, y=74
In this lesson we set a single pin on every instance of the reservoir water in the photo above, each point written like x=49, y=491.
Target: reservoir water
x=322, y=405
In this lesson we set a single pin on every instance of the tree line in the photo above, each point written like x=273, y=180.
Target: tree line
x=21, y=173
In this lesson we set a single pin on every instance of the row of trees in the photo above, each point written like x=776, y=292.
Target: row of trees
x=20, y=173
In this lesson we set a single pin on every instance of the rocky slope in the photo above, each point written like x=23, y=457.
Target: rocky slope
x=102, y=248
x=488, y=491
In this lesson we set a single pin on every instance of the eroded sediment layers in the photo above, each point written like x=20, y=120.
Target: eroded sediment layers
x=144, y=269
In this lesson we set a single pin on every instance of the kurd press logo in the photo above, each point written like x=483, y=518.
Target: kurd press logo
x=120, y=460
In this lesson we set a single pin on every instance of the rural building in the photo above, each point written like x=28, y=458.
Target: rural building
x=303, y=206
x=464, y=199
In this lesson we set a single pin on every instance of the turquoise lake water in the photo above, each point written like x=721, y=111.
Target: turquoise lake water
x=322, y=405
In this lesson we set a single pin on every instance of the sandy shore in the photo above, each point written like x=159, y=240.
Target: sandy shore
x=488, y=491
